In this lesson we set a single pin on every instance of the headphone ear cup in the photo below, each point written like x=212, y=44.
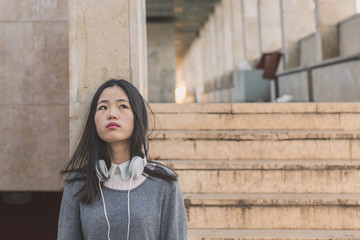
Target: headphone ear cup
x=136, y=166
x=101, y=171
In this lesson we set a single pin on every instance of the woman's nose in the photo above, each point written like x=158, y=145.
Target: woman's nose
x=112, y=115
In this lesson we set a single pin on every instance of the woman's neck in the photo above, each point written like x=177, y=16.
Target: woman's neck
x=119, y=152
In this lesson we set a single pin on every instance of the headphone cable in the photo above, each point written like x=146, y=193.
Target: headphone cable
x=107, y=219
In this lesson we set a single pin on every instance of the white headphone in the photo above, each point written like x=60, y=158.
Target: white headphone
x=136, y=169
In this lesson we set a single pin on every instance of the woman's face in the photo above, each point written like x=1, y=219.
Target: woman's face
x=114, y=119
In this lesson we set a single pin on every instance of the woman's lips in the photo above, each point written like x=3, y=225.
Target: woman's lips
x=112, y=125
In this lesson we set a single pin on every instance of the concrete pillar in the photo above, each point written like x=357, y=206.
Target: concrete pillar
x=297, y=22
x=270, y=25
x=219, y=37
x=328, y=14
x=227, y=36
x=106, y=40
x=251, y=30
x=237, y=32
x=161, y=61
x=213, y=53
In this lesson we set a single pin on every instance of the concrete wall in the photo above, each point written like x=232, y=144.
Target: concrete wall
x=308, y=50
x=161, y=62
x=337, y=83
x=349, y=34
x=296, y=85
x=34, y=94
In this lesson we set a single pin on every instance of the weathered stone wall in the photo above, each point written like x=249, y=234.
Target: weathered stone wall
x=34, y=94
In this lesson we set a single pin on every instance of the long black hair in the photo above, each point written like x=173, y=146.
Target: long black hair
x=91, y=147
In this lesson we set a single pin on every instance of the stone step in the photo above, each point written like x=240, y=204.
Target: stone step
x=273, y=211
x=289, y=145
x=270, y=176
x=309, y=107
x=253, y=135
x=257, y=116
x=261, y=234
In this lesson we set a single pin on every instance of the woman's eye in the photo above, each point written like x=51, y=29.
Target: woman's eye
x=102, y=108
x=123, y=106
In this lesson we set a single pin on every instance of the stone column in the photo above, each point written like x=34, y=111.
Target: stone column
x=227, y=36
x=106, y=40
x=270, y=25
x=297, y=22
x=251, y=30
x=219, y=39
x=237, y=32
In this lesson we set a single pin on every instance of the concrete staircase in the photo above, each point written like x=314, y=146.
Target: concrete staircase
x=264, y=171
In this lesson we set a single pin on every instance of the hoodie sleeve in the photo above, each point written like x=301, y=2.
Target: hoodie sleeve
x=69, y=226
x=173, y=218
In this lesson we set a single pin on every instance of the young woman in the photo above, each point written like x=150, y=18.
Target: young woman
x=112, y=191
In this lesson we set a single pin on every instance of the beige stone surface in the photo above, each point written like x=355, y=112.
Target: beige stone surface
x=286, y=150
x=339, y=107
x=78, y=113
x=16, y=61
x=10, y=10
x=190, y=121
x=237, y=108
x=298, y=19
x=271, y=234
x=253, y=135
x=35, y=147
x=283, y=211
x=337, y=83
x=350, y=121
x=299, y=177
x=33, y=10
x=190, y=107
x=105, y=41
x=355, y=149
x=51, y=64
x=43, y=10
x=97, y=53
x=275, y=108
x=331, y=12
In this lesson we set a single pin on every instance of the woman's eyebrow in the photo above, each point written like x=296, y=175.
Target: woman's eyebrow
x=118, y=100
